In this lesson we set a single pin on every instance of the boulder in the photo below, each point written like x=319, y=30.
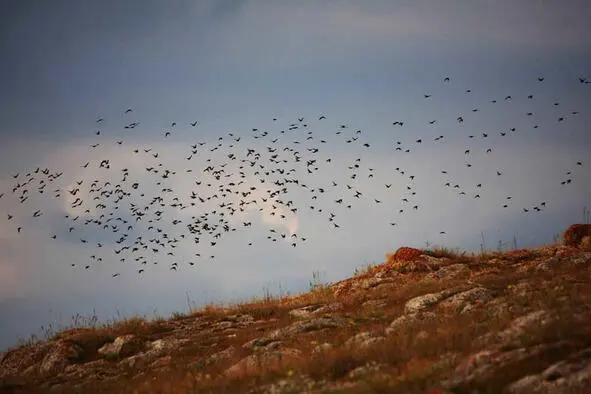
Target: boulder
x=122, y=346
x=364, y=339
x=566, y=376
x=575, y=234
x=404, y=254
x=267, y=361
x=466, y=300
x=59, y=357
x=408, y=319
x=419, y=303
x=448, y=272
x=23, y=360
x=484, y=367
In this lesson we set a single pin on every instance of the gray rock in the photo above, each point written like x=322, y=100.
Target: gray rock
x=259, y=343
x=122, y=346
x=422, y=302
x=157, y=349
x=323, y=347
x=368, y=369
x=61, y=354
x=519, y=326
x=374, y=304
x=464, y=301
x=447, y=272
x=265, y=361
x=572, y=375
x=364, y=339
x=305, y=311
x=483, y=366
x=23, y=361
x=314, y=324
x=87, y=370
x=409, y=319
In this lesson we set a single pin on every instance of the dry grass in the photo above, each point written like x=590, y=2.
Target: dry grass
x=454, y=254
x=410, y=364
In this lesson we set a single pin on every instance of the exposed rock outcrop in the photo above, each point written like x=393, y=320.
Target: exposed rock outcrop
x=515, y=322
x=575, y=234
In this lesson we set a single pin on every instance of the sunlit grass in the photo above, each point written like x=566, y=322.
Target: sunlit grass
x=414, y=358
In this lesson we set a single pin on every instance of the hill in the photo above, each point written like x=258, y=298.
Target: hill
x=425, y=321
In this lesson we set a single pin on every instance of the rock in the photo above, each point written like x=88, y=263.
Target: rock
x=374, y=304
x=122, y=346
x=370, y=368
x=23, y=360
x=323, y=347
x=161, y=362
x=293, y=384
x=583, y=258
x=268, y=361
x=314, y=324
x=466, y=300
x=222, y=325
x=520, y=288
x=369, y=283
x=544, y=266
x=404, y=254
x=422, y=302
x=575, y=233
x=411, y=318
x=245, y=320
x=567, y=376
x=224, y=354
x=259, y=343
x=168, y=344
x=87, y=370
x=517, y=328
x=364, y=339
x=484, y=366
x=157, y=349
x=214, y=358
x=383, y=272
x=448, y=272
x=418, y=265
x=306, y=311
x=434, y=262
x=61, y=354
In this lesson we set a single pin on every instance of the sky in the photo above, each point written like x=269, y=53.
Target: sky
x=247, y=72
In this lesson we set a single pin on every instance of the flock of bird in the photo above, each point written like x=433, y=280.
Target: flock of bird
x=136, y=209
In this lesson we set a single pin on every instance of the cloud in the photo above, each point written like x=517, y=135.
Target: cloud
x=295, y=35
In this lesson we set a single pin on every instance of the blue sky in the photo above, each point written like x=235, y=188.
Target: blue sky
x=233, y=67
